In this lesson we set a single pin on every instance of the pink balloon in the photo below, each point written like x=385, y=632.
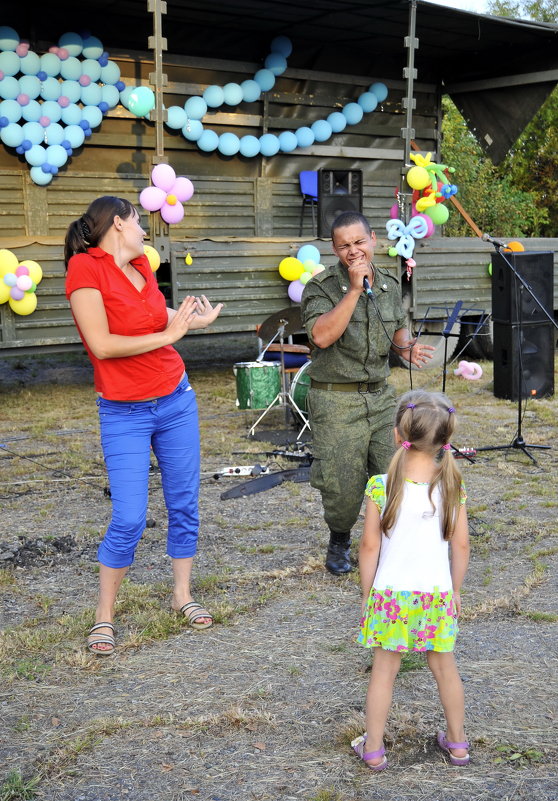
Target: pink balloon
x=24, y=282
x=22, y=270
x=16, y=293
x=163, y=176
x=172, y=214
x=430, y=225
x=152, y=198
x=394, y=212
x=183, y=189
x=295, y=291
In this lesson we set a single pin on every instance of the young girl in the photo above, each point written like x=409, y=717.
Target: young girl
x=410, y=589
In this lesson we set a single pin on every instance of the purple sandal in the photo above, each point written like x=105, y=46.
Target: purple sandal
x=358, y=746
x=445, y=746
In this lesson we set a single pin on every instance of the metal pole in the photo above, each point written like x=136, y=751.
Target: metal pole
x=158, y=43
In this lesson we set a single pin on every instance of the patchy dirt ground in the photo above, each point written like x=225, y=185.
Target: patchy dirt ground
x=262, y=706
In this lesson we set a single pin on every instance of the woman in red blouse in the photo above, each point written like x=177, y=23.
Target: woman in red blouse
x=145, y=400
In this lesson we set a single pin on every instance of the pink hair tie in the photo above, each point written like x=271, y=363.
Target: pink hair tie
x=446, y=447
x=405, y=444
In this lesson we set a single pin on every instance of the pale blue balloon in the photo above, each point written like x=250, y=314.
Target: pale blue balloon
x=283, y=45
x=304, y=136
x=9, y=38
x=92, y=47
x=110, y=95
x=192, y=130
x=125, y=95
x=269, y=144
x=176, y=117
x=214, y=96
x=34, y=132
x=276, y=63
x=308, y=253
x=368, y=101
x=30, y=85
x=12, y=135
x=35, y=156
x=91, y=68
x=251, y=90
x=50, y=63
x=380, y=90
x=75, y=135
x=249, y=146
x=321, y=130
x=39, y=177
x=31, y=112
x=110, y=73
x=52, y=110
x=265, y=79
x=195, y=107
x=9, y=88
x=70, y=69
x=50, y=89
x=353, y=113
x=141, y=101
x=91, y=95
x=337, y=121
x=9, y=63
x=11, y=110
x=208, y=141
x=93, y=115
x=54, y=134
x=57, y=155
x=71, y=115
x=72, y=42
x=287, y=142
x=229, y=144
x=71, y=90
x=30, y=64
x=232, y=94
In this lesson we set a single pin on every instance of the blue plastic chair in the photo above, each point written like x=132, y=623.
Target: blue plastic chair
x=309, y=190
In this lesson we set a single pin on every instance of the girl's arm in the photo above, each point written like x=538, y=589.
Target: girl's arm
x=369, y=549
x=90, y=315
x=459, y=558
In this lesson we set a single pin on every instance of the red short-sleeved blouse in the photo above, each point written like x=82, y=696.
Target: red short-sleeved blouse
x=129, y=313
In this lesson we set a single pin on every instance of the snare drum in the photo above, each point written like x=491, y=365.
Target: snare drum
x=257, y=384
x=300, y=386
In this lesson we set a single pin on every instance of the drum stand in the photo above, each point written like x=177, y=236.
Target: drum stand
x=284, y=397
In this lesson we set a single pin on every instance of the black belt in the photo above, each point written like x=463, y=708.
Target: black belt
x=354, y=386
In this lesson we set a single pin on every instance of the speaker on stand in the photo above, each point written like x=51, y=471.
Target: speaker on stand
x=338, y=191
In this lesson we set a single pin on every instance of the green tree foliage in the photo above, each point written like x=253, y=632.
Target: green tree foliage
x=539, y=10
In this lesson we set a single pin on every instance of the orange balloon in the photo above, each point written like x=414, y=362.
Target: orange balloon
x=514, y=247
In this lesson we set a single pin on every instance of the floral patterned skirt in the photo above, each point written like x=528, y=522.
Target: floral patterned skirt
x=409, y=621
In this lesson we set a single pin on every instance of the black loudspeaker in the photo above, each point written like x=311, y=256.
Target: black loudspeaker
x=537, y=271
x=338, y=191
x=527, y=350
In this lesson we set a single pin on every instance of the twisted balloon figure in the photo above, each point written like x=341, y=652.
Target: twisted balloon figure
x=469, y=370
x=406, y=234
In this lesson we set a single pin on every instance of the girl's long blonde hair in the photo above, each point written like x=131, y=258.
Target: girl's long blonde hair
x=426, y=420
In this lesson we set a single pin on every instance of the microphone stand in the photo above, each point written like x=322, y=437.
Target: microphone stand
x=518, y=443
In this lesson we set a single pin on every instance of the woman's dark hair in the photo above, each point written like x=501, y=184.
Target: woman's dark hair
x=91, y=227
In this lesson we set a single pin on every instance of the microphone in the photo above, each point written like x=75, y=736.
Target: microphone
x=496, y=242
x=367, y=287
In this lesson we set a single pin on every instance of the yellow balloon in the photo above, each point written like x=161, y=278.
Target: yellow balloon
x=424, y=202
x=188, y=259
x=152, y=257
x=8, y=262
x=418, y=178
x=291, y=269
x=4, y=291
x=26, y=305
x=35, y=271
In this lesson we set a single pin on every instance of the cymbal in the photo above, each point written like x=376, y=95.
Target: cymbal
x=289, y=317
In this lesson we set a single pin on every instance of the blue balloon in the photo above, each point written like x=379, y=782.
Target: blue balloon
x=57, y=155
x=12, y=135
x=249, y=146
x=287, y=142
x=9, y=38
x=353, y=113
x=50, y=63
x=309, y=253
x=33, y=133
x=9, y=63
x=31, y=112
x=208, y=141
x=75, y=136
x=71, y=90
x=70, y=69
x=232, y=94
x=192, y=130
x=92, y=47
x=380, y=90
x=72, y=42
x=304, y=136
x=52, y=110
x=195, y=107
x=276, y=63
x=30, y=64
x=91, y=95
x=110, y=74
x=229, y=144
x=265, y=79
x=39, y=177
x=71, y=115
x=337, y=121
x=214, y=96
x=322, y=130
x=35, y=156
x=9, y=88
x=54, y=134
x=283, y=45
x=176, y=117
x=11, y=110
x=368, y=101
x=269, y=144
x=251, y=91
x=92, y=115
x=141, y=101
x=110, y=95
x=50, y=89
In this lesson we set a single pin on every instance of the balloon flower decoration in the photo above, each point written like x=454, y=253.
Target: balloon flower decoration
x=431, y=186
x=469, y=370
x=18, y=282
x=300, y=269
x=167, y=194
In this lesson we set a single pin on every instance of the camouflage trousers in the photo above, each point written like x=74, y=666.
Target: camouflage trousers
x=352, y=439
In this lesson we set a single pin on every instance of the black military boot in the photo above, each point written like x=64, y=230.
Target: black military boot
x=337, y=560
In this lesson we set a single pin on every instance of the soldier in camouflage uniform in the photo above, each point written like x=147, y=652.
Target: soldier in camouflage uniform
x=350, y=404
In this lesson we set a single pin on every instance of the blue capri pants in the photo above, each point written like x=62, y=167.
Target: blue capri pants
x=128, y=429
